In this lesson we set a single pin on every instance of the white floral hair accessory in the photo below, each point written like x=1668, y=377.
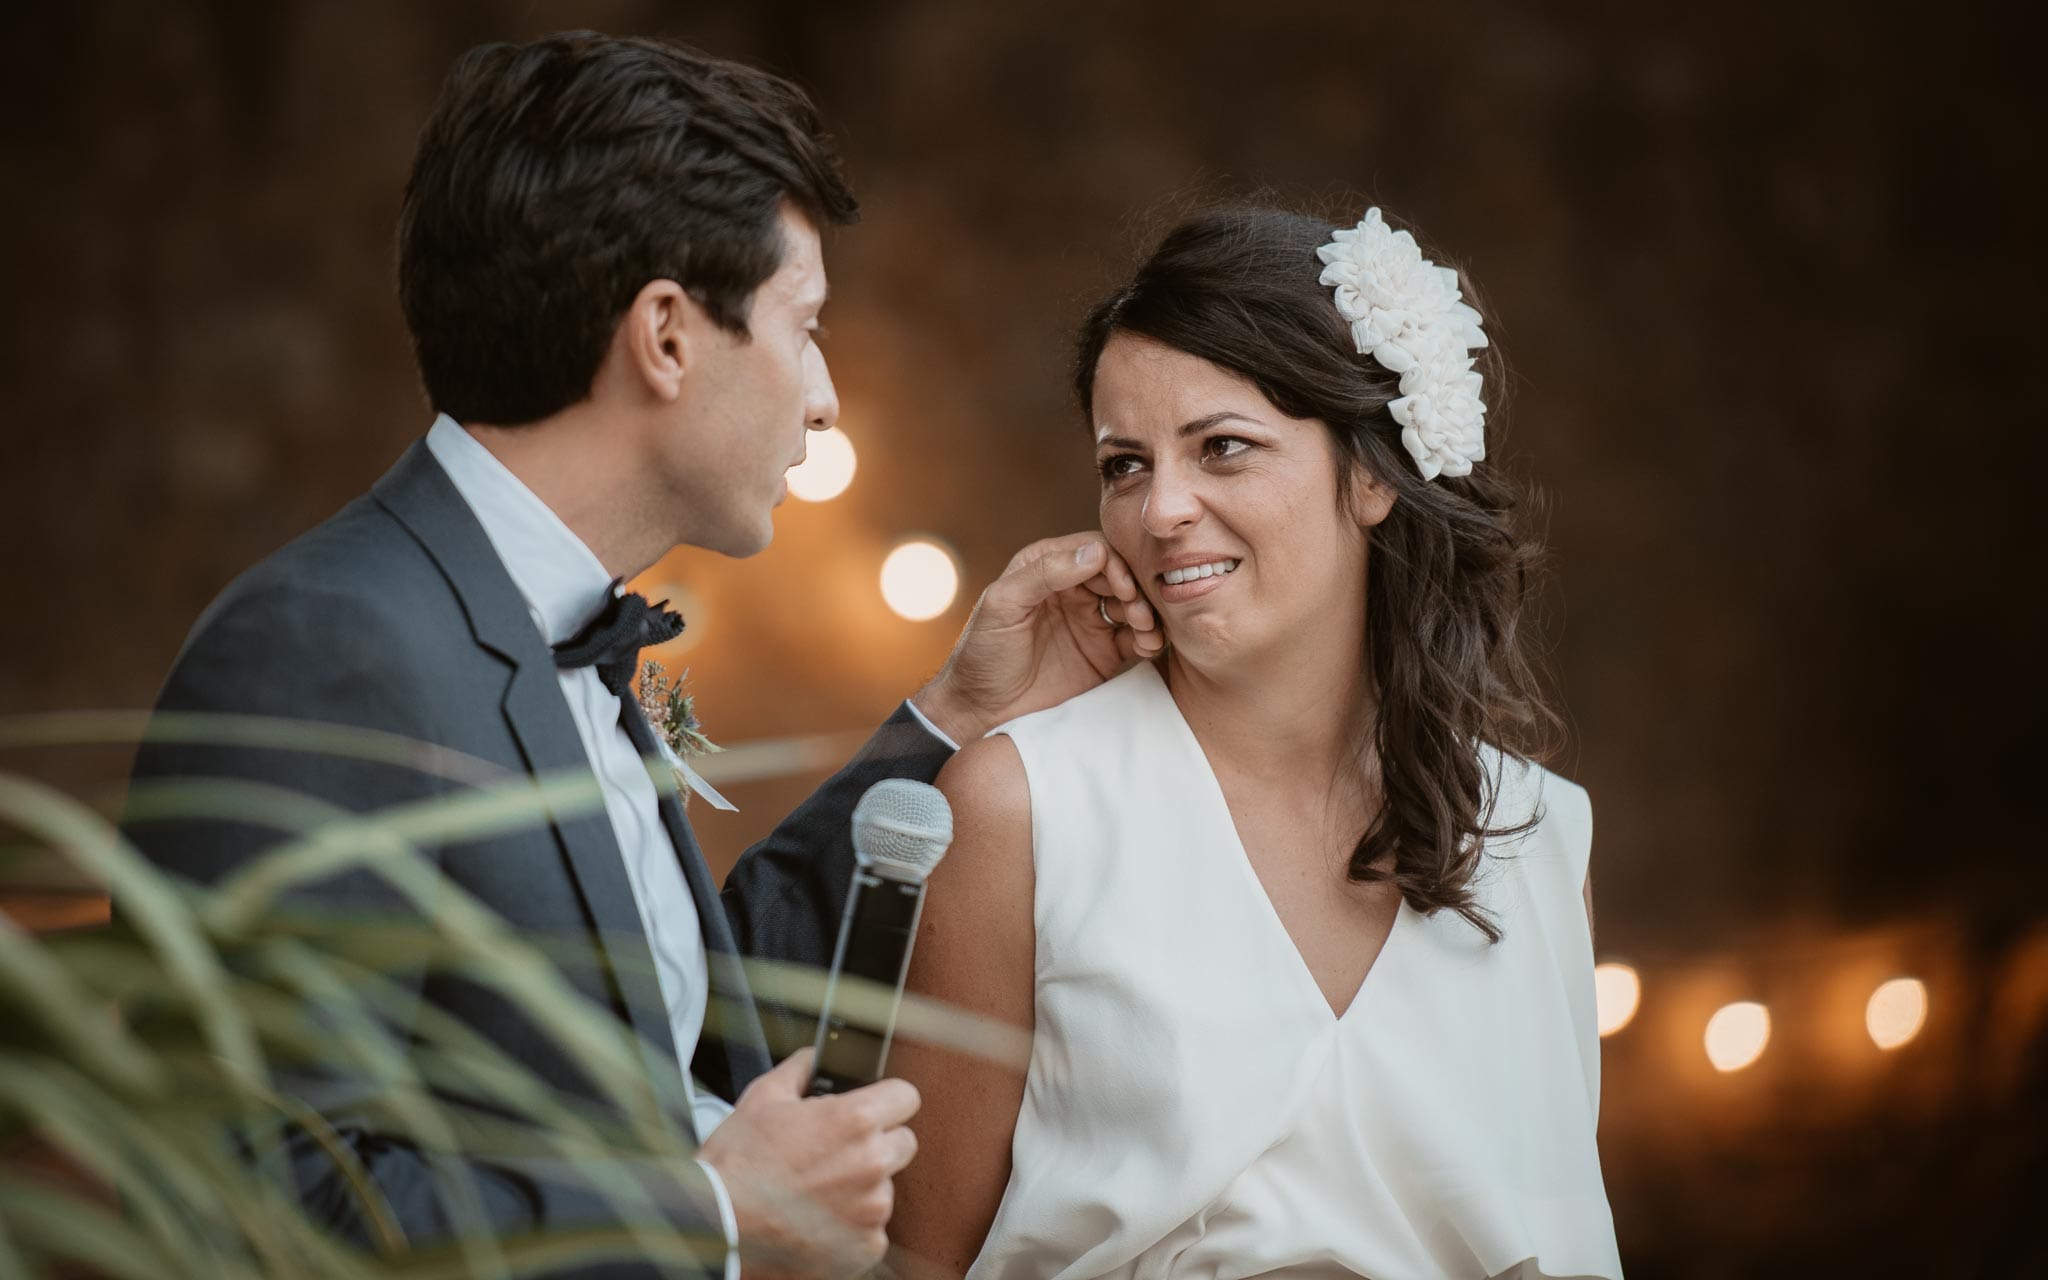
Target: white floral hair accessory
x=1407, y=313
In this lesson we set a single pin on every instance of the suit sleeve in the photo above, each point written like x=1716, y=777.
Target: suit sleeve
x=785, y=895
x=306, y=657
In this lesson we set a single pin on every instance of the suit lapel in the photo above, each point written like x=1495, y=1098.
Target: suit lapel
x=421, y=496
x=734, y=1048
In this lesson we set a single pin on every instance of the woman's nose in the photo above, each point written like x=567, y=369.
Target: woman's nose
x=1170, y=505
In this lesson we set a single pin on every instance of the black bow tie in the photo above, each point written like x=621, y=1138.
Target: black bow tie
x=614, y=638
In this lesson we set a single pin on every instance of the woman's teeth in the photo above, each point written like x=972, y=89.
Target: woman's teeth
x=1174, y=577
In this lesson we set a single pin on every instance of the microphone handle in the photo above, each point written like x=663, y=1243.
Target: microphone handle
x=875, y=937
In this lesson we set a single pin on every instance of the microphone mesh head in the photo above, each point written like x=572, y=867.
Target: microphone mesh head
x=901, y=828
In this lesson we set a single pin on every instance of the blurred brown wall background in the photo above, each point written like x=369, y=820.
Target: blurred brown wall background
x=1767, y=276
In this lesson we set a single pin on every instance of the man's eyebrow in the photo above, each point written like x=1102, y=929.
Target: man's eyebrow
x=803, y=300
x=1195, y=427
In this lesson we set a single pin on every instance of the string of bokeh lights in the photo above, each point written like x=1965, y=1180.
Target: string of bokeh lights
x=1737, y=1034
x=920, y=579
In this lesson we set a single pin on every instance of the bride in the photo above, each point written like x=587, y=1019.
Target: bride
x=1293, y=919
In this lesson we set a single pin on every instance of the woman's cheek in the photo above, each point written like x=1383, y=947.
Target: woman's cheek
x=1119, y=515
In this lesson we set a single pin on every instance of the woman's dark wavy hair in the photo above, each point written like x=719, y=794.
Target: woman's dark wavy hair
x=1448, y=659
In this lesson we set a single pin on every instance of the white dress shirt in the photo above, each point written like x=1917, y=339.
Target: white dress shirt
x=565, y=586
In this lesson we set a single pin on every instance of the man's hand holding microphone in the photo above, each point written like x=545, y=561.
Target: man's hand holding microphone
x=810, y=1177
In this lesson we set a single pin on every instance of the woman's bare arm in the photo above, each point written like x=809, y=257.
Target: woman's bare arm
x=975, y=951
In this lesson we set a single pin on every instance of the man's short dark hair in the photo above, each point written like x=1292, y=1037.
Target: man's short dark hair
x=557, y=178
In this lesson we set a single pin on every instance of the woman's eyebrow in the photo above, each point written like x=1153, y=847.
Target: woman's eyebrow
x=1204, y=423
x=1196, y=427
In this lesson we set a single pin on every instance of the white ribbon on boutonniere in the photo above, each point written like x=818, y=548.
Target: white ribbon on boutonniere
x=672, y=714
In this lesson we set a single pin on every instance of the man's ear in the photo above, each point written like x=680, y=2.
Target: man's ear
x=1371, y=497
x=661, y=337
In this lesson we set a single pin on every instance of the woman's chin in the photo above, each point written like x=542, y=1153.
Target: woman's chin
x=1206, y=643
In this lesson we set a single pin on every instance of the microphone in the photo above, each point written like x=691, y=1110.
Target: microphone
x=900, y=831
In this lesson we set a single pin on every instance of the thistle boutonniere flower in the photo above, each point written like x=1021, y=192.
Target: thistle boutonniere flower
x=672, y=714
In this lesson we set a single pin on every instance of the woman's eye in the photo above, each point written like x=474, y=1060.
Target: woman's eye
x=1226, y=446
x=1117, y=466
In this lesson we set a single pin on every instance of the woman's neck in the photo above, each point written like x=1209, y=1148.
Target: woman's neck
x=1281, y=718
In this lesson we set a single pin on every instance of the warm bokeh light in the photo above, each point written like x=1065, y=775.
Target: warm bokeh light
x=1737, y=1034
x=1896, y=1012
x=920, y=579
x=827, y=467
x=1616, y=992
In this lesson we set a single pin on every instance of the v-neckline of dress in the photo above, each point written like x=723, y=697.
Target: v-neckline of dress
x=1242, y=857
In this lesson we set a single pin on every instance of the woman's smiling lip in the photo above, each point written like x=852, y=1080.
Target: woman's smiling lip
x=1181, y=592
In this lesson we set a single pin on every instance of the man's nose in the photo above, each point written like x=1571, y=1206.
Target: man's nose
x=821, y=399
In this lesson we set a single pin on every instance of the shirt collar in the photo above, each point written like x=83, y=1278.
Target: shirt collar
x=564, y=583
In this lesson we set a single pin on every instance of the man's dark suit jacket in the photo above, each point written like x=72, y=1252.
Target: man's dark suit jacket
x=397, y=615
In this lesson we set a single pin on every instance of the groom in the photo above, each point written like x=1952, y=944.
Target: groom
x=610, y=263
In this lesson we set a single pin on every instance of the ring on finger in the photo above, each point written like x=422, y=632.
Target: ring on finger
x=1102, y=607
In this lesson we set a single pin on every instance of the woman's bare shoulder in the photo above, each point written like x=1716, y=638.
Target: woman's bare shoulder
x=985, y=782
x=986, y=878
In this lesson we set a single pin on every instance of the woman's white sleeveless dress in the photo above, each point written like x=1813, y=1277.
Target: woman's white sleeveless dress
x=1194, y=1108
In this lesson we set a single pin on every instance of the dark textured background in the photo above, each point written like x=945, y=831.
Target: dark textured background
x=1767, y=276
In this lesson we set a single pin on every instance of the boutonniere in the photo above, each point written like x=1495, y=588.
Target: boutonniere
x=672, y=713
